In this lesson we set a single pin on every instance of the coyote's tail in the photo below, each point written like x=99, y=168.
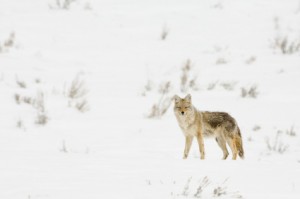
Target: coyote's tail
x=239, y=143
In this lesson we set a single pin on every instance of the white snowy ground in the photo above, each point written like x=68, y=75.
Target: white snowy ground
x=115, y=47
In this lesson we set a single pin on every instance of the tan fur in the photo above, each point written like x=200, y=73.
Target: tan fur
x=220, y=125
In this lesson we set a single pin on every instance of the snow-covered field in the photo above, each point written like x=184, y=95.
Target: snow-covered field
x=78, y=83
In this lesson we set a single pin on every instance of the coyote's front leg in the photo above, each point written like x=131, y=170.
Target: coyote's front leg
x=188, y=144
x=201, y=144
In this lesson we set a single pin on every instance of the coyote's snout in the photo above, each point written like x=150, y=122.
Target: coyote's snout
x=219, y=125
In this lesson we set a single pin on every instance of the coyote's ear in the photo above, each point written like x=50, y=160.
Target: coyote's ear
x=176, y=98
x=188, y=98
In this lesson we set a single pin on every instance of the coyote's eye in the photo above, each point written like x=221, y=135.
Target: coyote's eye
x=178, y=107
x=187, y=107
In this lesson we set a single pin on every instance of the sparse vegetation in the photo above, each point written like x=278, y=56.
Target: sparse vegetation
x=186, y=188
x=68, y=4
x=249, y=139
x=82, y=106
x=287, y=45
x=186, y=81
x=219, y=191
x=250, y=92
x=250, y=60
x=164, y=33
x=20, y=124
x=8, y=43
x=77, y=89
x=147, y=88
x=39, y=105
x=218, y=5
x=77, y=94
x=62, y=4
x=228, y=85
x=221, y=60
x=276, y=145
x=21, y=84
x=41, y=118
x=17, y=98
x=291, y=131
x=202, y=185
x=212, y=85
x=37, y=81
x=63, y=147
x=164, y=102
x=283, y=41
x=28, y=100
x=256, y=128
x=206, y=188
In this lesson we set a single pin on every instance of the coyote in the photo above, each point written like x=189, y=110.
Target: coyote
x=219, y=125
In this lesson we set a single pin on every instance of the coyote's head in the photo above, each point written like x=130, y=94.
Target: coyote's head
x=183, y=106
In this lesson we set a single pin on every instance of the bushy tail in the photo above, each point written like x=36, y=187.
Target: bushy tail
x=239, y=144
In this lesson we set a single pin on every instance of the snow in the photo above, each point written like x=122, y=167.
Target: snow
x=114, y=48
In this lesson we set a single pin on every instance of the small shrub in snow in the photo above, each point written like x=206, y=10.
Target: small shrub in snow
x=24, y=99
x=77, y=89
x=284, y=42
x=185, y=76
x=186, y=188
x=186, y=82
x=249, y=139
x=64, y=147
x=17, y=98
x=8, y=43
x=147, y=88
x=39, y=105
x=82, y=106
x=218, y=5
x=40, y=102
x=28, y=100
x=250, y=92
x=164, y=33
x=206, y=189
x=62, y=4
x=41, y=118
x=221, y=60
x=77, y=94
x=256, y=128
x=222, y=190
x=20, y=124
x=148, y=182
x=291, y=131
x=37, y=80
x=219, y=191
x=276, y=145
x=286, y=45
x=164, y=102
x=228, y=85
x=212, y=85
x=251, y=60
x=203, y=184
x=21, y=84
